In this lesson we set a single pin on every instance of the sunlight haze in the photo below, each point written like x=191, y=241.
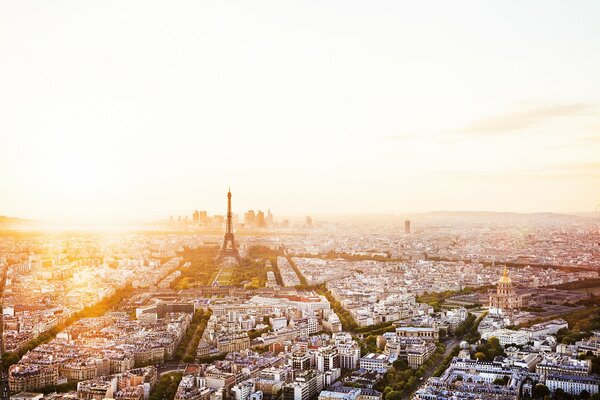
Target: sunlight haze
x=131, y=109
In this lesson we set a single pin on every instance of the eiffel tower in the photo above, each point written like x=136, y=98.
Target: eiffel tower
x=229, y=248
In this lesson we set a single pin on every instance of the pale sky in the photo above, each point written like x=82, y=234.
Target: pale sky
x=146, y=108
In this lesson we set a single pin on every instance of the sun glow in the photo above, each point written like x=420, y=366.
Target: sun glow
x=380, y=114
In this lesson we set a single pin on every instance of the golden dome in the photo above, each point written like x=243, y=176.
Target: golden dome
x=505, y=279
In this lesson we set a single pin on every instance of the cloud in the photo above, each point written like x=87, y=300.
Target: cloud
x=592, y=139
x=521, y=120
x=579, y=167
x=553, y=171
x=565, y=171
x=592, y=127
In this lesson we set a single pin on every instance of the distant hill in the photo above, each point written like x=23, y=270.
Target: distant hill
x=494, y=214
x=5, y=219
x=6, y=222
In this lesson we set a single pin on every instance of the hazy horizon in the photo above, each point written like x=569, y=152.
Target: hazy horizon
x=116, y=221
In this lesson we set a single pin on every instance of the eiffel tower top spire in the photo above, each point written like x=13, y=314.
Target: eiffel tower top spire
x=229, y=214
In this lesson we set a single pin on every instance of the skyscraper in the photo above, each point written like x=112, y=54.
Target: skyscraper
x=203, y=217
x=250, y=218
x=260, y=219
x=407, y=226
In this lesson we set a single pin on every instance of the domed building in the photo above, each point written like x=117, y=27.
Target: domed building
x=505, y=298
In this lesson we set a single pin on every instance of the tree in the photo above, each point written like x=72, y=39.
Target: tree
x=480, y=356
x=501, y=381
x=584, y=394
x=560, y=394
x=494, y=344
x=371, y=342
x=491, y=348
x=540, y=390
x=394, y=395
x=400, y=364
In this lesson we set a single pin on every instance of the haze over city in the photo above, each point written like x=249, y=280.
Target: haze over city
x=299, y=200
x=129, y=110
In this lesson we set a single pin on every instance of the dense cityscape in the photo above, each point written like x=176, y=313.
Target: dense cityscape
x=300, y=200
x=437, y=306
